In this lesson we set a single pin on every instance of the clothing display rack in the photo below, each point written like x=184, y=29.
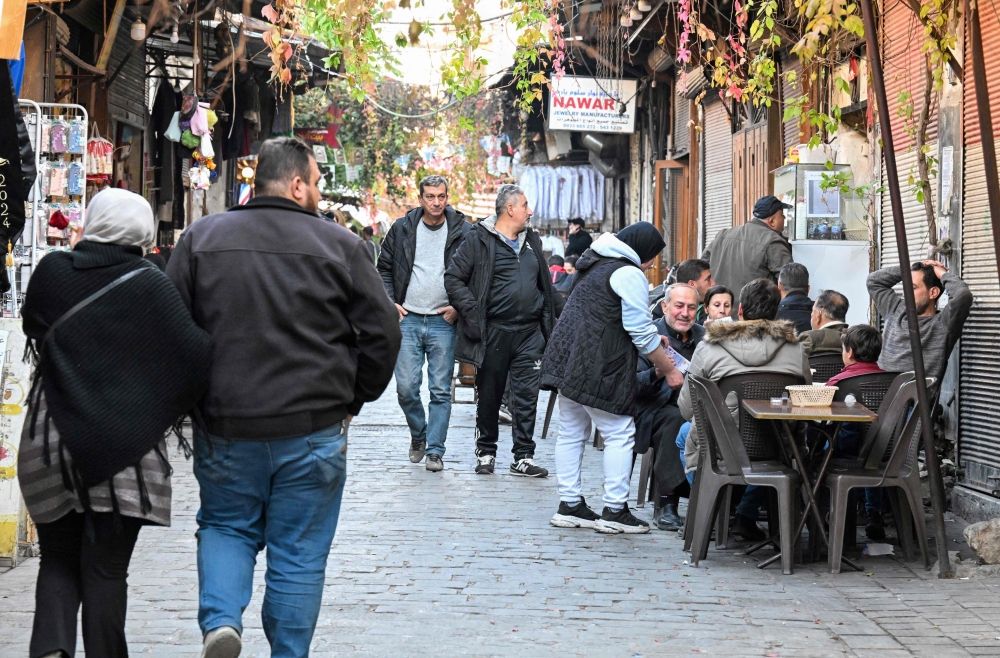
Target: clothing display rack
x=58, y=135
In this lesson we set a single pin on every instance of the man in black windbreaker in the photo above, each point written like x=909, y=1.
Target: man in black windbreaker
x=506, y=306
x=415, y=253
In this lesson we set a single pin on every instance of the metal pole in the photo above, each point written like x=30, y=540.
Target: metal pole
x=985, y=121
x=927, y=429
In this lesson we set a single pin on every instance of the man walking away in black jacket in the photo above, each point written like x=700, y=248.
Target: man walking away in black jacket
x=795, y=306
x=415, y=253
x=502, y=290
x=303, y=336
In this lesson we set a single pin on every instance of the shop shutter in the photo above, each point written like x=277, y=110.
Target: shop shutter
x=790, y=128
x=913, y=211
x=127, y=93
x=979, y=375
x=681, y=129
x=904, y=66
x=718, y=169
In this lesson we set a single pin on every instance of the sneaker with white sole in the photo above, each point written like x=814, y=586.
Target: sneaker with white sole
x=574, y=516
x=484, y=464
x=222, y=642
x=526, y=468
x=417, y=449
x=622, y=521
x=504, y=416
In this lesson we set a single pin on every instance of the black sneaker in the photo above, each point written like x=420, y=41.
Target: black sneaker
x=504, y=416
x=417, y=449
x=875, y=528
x=748, y=529
x=526, y=468
x=574, y=516
x=485, y=464
x=434, y=463
x=622, y=521
x=668, y=519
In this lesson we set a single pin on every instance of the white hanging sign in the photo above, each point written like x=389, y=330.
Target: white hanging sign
x=592, y=105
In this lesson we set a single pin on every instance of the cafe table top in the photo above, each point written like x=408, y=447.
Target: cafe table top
x=837, y=412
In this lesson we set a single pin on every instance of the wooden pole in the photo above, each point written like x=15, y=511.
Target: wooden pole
x=985, y=120
x=895, y=196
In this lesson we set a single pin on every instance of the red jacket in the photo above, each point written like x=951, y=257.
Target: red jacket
x=556, y=270
x=853, y=370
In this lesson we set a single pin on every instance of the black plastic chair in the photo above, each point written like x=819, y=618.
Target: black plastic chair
x=723, y=462
x=826, y=366
x=900, y=470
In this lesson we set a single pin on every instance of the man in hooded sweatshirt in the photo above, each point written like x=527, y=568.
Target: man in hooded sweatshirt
x=500, y=285
x=591, y=361
x=756, y=343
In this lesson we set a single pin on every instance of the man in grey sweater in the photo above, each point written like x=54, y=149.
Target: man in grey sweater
x=939, y=330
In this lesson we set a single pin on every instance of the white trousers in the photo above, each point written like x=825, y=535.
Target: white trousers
x=574, y=432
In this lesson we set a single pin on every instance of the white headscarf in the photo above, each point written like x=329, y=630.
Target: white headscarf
x=117, y=216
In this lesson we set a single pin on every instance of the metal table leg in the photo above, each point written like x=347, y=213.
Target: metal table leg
x=811, y=489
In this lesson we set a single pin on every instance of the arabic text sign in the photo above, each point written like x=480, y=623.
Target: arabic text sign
x=591, y=105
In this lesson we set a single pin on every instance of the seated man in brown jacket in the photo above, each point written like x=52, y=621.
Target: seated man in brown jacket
x=829, y=322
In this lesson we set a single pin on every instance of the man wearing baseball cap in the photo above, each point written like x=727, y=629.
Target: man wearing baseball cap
x=755, y=250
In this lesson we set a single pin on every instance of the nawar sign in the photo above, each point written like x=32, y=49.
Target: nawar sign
x=592, y=105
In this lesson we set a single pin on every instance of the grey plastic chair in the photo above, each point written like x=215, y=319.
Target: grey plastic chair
x=899, y=469
x=724, y=462
x=826, y=366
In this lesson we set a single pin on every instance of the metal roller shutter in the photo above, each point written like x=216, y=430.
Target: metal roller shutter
x=127, y=93
x=718, y=169
x=790, y=129
x=979, y=376
x=904, y=65
x=681, y=129
x=913, y=211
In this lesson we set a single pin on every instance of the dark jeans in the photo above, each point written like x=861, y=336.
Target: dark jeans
x=519, y=354
x=76, y=569
x=668, y=469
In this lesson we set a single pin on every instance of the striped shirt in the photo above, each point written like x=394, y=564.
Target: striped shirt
x=48, y=499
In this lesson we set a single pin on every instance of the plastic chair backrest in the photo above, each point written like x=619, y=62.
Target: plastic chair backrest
x=826, y=366
x=717, y=427
x=891, y=447
x=882, y=408
x=869, y=390
x=757, y=436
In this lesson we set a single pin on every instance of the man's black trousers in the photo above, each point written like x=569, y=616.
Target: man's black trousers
x=518, y=353
x=667, y=468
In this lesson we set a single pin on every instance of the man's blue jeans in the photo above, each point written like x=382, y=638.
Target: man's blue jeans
x=426, y=337
x=283, y=495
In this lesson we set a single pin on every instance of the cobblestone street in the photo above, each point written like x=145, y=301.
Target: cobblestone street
x=457, y=564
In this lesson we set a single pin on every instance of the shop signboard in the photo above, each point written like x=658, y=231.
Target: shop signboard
x=599, y=105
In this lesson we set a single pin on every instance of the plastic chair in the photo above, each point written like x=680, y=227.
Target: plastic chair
x=871, y=391
x=758, y=437
x=724, y=462
x=647, y=481
x=826, y=366
x=899, y=470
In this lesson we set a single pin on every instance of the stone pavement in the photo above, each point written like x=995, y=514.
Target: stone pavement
x=455, y=564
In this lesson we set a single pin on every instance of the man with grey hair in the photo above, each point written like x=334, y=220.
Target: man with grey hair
x=500, y=286
x=829, y=322
x=657, y=416
x=415, y=253
x=795, y=307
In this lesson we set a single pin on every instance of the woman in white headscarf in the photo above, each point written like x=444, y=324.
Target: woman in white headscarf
x=118, y=360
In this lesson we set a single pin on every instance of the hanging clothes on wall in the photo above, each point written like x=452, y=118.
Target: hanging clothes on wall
x=166, y=103
x=558, y=194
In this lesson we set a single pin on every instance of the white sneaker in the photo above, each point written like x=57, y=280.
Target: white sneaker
x=222, y=642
